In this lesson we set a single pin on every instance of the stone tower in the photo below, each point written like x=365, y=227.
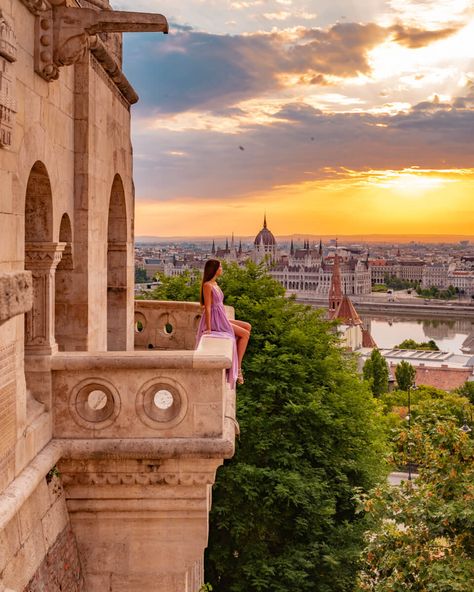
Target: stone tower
x=111, y=425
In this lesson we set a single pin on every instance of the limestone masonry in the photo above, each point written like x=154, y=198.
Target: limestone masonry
x=111, y=426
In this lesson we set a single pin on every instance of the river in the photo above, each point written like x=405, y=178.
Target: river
x=389, y=331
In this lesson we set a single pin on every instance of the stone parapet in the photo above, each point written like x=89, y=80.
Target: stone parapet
x=140, y=394
x=167, y=324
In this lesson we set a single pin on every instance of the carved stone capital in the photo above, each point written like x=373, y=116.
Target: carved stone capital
x=43, y=256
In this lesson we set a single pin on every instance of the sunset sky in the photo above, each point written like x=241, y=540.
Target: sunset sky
x=333, y=116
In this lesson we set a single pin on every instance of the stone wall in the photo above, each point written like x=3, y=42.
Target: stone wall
x=61, y=569
x=38, y=552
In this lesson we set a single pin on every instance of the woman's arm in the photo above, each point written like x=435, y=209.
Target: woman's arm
x=207, y=293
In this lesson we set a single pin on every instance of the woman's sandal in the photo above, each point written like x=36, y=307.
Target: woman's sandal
x=240, y=377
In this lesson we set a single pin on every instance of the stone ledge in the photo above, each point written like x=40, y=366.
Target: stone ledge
x=16, y=294
x=185, y=359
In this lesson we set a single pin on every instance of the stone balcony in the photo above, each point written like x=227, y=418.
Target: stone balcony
x=138, y=437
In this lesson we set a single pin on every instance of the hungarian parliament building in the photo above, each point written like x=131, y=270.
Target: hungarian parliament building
x=307, y=270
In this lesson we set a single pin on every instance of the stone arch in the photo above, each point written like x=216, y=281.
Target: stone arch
x=38, y=206
x=117, y=268
x=64, y=282
x=42, y=256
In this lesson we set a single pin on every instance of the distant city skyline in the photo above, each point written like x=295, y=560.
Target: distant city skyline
x=336, y=117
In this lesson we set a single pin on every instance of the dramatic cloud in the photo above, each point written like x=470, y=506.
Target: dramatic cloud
x=200, y=71
x=303, y=144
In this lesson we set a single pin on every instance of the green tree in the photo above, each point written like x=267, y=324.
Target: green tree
x=430, y=345
x=283, y=516
x=182, y=287
x=467, y=390
x=422, y=537
x=405, y=375
x=375, y=371
x=140, y=275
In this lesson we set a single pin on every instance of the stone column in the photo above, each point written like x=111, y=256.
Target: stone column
x=42, y=260
x=140, y=525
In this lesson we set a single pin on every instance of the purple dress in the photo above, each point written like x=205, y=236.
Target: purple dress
x=220, y=328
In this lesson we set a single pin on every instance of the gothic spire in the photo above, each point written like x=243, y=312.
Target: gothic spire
x=213, y=250
x=335, y=290
x=320, y=247
x=292, y=248
x=265, y=220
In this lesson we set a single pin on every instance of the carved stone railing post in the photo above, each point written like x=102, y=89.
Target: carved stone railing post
x=42, y=260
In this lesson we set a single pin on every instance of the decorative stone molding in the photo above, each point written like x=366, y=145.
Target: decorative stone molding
x=8, y=49
x=16, y=294
x=64, y=34
x=36, y=6
x=173, y=479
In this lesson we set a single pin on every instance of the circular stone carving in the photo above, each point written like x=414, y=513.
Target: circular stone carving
x=161, y=404
x=94, y=403
x=168, y=324
x=140, y=322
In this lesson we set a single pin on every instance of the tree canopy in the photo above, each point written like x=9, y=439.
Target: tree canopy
x=430, y=345
x=283, y=515
x=375, y=371
x=422, y=535
x=405, y=375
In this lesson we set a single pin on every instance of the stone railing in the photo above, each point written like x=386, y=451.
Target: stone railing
x=167, y=325
x=165, y=394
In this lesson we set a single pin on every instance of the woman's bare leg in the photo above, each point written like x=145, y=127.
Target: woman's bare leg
x=243, y=336
x=242, y=324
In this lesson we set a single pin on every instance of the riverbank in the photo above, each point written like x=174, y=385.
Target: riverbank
x=405, y=306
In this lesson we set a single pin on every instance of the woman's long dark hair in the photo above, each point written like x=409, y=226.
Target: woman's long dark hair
x=210, y=270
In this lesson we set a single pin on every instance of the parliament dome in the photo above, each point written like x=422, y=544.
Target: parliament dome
x=265, y=236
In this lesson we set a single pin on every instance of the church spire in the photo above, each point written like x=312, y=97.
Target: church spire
x=227, y=245
x=321, y=247
x=265, y=220
x=335, y=290
x=292, y=248
x=213, y=250
x=240, y=247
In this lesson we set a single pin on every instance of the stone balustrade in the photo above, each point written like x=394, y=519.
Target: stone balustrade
x=168, y=324
x=165, y=394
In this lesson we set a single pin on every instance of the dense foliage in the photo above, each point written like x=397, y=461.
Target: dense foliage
x=422, y=535
x=467, y=390
x=424, y=345
x=375, y=371
x=396, y=283
x=181, y=287
x=435, y=292
x=284, y=516
x=405, y=375
x=140, y=275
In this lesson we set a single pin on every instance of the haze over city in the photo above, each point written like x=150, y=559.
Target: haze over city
x=335, y=117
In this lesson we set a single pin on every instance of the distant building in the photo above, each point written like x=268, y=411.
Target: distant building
x=265, y=245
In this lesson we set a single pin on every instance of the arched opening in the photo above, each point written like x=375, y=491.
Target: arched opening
x=64, y=296
x=42, y=256
x=117, y=269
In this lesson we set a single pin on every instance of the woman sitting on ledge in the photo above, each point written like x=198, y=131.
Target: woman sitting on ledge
x=214, y=321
